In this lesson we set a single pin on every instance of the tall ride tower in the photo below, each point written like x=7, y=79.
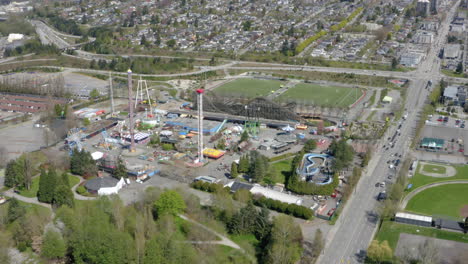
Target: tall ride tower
x=200, y=124
x=130, y=109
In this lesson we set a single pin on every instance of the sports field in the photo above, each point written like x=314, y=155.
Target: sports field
x=330, y=96
x=440, y=200
x=434, y=169
x=249, y=88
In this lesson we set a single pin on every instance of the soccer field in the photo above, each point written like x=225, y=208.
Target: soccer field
x=330, y=96
x=249, y=88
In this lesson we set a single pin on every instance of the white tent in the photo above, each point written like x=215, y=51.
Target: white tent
x=97, y=155
x=288, y=128
x=166, y=133
x=275, y=195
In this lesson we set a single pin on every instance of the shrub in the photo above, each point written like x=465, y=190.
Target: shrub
x=167, y=147
x=81, y=189
x=291, y=209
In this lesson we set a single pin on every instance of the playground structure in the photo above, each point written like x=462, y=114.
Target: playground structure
x=312, y=168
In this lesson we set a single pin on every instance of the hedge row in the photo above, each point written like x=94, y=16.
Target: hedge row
x=291, y=209
x=206, y=186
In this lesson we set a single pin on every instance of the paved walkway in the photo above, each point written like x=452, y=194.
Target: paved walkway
x=78, y=196
x=450, y=171
x=34, y=200
x=425, y=187
x=224, y=240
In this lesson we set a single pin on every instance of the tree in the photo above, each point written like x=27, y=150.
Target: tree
x=13, y=174
x=318, y=243
x=243, y=222
x=309, y=146
x=53, y=246
x=243, y=164
x=65, y=180
x=63, y=196
x=366, y=159
x=259, y=169
x=428, y=252
x=143, y=41
x=221, y=144
x=171, y=43
x=15, y=210
x=234, y=172
x=394, y=63
x=170, y=202
x=459, y=67
x=244, y=136
x=379, y=252
x=285, y=241
x=47, y=184
x=120, y=170
x=3, y=156
x=26, y=166
x=246, y=25
x=94, y=93
x=155, y=140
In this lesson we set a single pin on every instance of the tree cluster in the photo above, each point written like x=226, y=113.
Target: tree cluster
x=82, y=163
x=255, y=165
x=32, y=46
x=143, y=64
x=206, y=186
x=343, y=154
x=66, y=25
x=18, y=173
x=55, y=189
x=379, y=252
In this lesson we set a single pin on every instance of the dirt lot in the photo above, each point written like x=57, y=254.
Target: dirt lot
x=449, y=252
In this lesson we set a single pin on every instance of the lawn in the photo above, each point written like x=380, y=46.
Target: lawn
x=322, y=95
x=419, y=180
x=436, y=201
x=249, y=88
x=430, y=168
x=35, y=186
x=281, y=169
x=391, y=231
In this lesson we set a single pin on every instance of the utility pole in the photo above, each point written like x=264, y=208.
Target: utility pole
x=111, y=94
x=130, y=108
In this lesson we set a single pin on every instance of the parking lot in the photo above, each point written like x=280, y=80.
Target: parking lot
x=446, y=121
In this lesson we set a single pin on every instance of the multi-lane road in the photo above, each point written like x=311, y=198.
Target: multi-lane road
x=357, y=224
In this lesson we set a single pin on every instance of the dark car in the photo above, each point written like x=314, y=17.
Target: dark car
x=382, y=196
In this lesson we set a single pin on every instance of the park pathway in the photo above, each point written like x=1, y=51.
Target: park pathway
x=78, y=196
x=11, y=193
x=427, y=186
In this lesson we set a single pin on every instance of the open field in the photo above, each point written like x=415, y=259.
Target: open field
x=434, y=169
x=440, y=200
x=322, y=95
x=280, y=170
x=248, y=87
x=391, y=231
x=419, y=180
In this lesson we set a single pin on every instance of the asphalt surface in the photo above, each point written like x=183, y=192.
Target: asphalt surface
x=357, y=224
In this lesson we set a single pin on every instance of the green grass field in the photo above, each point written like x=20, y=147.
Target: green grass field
x=434, y=169
x=391, y=231
x=322, y=95
x=35, y=186
x=281, y=169
x=249, y=88
x=419, y=180
x=440, y=200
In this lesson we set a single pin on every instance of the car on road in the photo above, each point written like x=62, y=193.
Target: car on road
x=462, y=125
x=382, y=196
x=330, y=213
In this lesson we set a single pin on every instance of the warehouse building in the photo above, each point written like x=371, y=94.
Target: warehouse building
x=413, y=219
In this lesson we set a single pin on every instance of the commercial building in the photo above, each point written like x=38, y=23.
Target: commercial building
x=452, y=51
x=104, y=185
x=413, y=219
x=432, y=143
x=422, y=8
x=410, y=59
x=434, y=6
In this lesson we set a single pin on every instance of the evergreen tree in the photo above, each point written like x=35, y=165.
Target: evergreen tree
x=63, y=196
x=234, y=172
x=47, y=184
x=244, y=136
x=259, y=169
x=243, y=164
x=15, y=210
x=120, y=170
x=65, y=180
x=13, y=174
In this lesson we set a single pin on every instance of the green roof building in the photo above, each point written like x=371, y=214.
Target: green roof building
x=432, y=143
